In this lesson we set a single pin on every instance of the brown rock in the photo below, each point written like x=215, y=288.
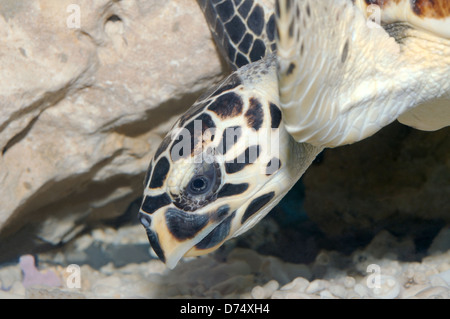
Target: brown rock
x=83, y=107
x=399, y=175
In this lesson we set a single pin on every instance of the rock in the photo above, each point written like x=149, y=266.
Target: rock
x=338, y=291
x=9, y=275
x=361, y=290
x=349, y=282
x=441, y=279
x=243, y=273
x=388, y=288
x=299, y=284
x=412, y=291
x=434, y=293
x=18, y=289
x=316, y=286
x=266, y=291
x=396, y=179
x=87, y=91
x=441, y=242
x=107, y=287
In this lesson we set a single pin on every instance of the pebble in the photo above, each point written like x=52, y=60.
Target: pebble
x=434, y=293
x=18, y=289
x=389, y=288
x=412, y=291
x=409, y=273
x=326, y=294
x=299, y=284
x=338, y=291
x=316, y=286
x=9, y=275
x=349, y=282
x=240, y=276
x=438, y=281
x=258, y=293
x=265, y=291
x=420, y=278
x=445, y=275
x=361, y=290
x=107, y=287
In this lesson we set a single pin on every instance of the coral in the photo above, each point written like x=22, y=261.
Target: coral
x=33, y=277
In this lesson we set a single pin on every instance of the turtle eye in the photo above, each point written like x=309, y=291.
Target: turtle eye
x=199, y=185
x=201, y=189
x=205, y=181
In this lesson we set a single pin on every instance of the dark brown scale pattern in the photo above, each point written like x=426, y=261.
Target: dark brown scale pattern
x=194, y=110
x=227, y=84
x=275, y=115
x=227, y=105
x=194, y=130
x=230, y=137
x=240, y=29
x=256, y=205
x=435, y=9
x=163, y=146
x=290, y=68
x=152, y=203
x=183, y=225
x=249, y=156
x=217, y=235
x=160, y=172
x=232, y=190
x=255, y=114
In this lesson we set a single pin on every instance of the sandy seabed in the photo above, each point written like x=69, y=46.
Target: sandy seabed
x=110, y=263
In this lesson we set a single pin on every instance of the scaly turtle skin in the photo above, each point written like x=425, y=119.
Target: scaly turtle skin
x=330, y=78
x=343, y=77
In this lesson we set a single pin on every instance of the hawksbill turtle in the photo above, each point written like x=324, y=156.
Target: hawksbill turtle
x=308, y=74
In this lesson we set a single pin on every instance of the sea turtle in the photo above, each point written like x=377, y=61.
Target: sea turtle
x=309, y=74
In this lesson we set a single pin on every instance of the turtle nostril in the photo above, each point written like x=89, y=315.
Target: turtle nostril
x=145, y=220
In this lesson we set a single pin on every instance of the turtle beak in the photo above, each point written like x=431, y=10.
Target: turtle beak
x=166, y=247
x=174, y=234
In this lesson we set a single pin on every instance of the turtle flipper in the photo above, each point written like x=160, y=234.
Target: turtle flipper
x=244, y=30
x=343, y=77
x=430, y=116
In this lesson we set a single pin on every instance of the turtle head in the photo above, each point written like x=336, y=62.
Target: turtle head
x=219, y=170
x=191, y=209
